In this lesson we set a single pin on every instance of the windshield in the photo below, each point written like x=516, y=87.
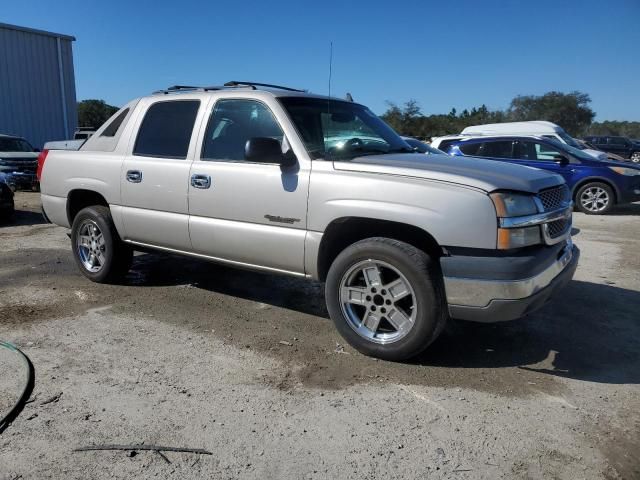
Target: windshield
x=570, y=140
x=423, y=147
x=14, y=145
x=576, y=152
x=336, y=130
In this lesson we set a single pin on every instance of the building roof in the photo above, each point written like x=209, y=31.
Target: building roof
x=36, y=32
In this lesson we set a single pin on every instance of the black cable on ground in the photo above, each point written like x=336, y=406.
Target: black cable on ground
x=26, y=392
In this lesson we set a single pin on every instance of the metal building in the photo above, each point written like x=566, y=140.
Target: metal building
x=37, y=85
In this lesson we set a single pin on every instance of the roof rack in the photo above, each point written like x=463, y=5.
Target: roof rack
x=232, y=84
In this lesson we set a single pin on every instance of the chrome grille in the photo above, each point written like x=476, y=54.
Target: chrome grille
x=555, y=198
x=558, y=227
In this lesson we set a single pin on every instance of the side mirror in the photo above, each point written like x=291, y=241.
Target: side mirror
x=267, y=150
x=561, y=159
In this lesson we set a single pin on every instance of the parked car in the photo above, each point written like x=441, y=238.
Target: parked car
x=401, y=240
x=7, y=206
x=596, y=185
x=18, y=161
x=538, y=128
x=82, y=133
x=422, y=147
x=622, y=146
x=611, y=156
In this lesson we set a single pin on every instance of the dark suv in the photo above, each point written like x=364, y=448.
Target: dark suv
x=623, y=146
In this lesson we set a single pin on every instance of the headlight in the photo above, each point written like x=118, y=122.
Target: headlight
x=518, y=237
x=628, y=172
x=513, y=204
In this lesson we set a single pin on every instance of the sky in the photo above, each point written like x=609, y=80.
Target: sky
x=444, y=54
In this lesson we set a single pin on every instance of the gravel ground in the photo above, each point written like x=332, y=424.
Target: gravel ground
x=249, y=367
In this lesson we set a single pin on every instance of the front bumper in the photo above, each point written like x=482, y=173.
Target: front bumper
x=493, y=295
x=22, y=179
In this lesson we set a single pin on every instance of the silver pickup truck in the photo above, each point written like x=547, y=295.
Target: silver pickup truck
x=280, y=180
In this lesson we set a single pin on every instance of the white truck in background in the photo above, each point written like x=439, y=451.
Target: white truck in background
x=537, y=128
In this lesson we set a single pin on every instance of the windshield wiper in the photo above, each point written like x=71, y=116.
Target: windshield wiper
x=402, y=150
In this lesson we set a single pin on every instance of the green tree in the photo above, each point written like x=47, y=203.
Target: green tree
x=93, y=113
x=571, y=111
x=608, y=127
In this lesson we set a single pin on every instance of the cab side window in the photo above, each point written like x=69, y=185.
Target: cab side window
x=232, y=123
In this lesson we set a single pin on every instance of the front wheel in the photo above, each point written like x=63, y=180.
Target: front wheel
x=595, y=198
x=635, y=157
x=97, y=249
x=386, y=298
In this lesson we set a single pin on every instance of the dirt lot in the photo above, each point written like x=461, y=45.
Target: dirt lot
x=189, y=354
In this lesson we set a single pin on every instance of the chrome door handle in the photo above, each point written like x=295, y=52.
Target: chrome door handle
x=200, y=181
x=134, y=176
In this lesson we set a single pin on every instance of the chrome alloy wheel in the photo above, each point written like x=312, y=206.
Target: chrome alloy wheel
x=594, y=199
x=90, y=246
x=635, y=158
x=378, y=301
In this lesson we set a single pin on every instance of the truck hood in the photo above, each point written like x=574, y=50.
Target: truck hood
x=487, y=175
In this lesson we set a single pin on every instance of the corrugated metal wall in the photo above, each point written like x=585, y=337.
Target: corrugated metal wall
x=31, y=97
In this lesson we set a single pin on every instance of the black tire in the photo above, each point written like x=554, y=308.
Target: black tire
x=117, y=255
x=425, y=279
x=6, y=216
x=597, y=186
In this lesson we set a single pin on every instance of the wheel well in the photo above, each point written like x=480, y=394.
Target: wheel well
x=79, y=199
x=581, y=184
x=345, y=231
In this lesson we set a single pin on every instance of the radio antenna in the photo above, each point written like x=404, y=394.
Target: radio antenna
x=330, y=65
x=326, y=134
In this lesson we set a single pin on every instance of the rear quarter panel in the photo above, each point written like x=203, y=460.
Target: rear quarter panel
x=65, y=171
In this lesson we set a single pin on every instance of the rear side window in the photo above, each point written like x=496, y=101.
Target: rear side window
x=445, y=144
x=470, y=148
x=166, y=129
x=113, y=127
x=499, y=149
x=617, y=141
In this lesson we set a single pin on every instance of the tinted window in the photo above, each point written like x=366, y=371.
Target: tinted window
x=470, y=148
x=166, y=129
x=445, y=144
x=617, y=141
x=113, y=127
x=232, y=123
x=9, y=144
x=498, y=149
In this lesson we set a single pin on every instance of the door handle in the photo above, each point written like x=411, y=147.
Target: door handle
x=200, y=181
x=134, y=176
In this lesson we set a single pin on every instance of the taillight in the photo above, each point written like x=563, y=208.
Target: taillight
x=41, y=158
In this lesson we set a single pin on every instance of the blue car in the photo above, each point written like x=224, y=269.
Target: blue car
x=596, y=185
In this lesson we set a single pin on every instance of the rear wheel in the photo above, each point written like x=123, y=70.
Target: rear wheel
x=595, y=198
x=386, y=298
x=97, y=249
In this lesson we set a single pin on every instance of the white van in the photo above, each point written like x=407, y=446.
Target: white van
x=538, y=128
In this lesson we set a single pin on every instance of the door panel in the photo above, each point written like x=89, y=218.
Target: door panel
x=155, y=210
x=252, y=213
x=155, y=175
